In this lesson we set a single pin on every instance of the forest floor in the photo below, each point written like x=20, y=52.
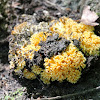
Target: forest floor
x=13, y=87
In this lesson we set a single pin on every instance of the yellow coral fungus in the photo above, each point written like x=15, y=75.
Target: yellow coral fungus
x=68, y=28
x=22, y=28
x=67, y=65
x=29, y=75
x=19, y=28
x=36, y=69
x=90, y=43
x=54, y=54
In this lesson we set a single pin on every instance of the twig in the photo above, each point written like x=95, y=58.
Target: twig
x=74, y=94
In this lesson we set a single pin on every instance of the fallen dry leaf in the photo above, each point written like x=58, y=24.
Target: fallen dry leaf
x=89, y=17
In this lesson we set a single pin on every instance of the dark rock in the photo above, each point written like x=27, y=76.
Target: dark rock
x=53, y=45
x=38, y=59
x=76, y=43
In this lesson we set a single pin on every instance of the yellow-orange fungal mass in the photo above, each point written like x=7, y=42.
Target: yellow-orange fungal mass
x=66, y=65
x=68, y=28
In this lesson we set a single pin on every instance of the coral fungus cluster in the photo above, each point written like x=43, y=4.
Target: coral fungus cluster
x=54, y=51
x=68, y=28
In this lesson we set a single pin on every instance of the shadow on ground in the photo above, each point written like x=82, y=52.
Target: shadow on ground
x=4, y=49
